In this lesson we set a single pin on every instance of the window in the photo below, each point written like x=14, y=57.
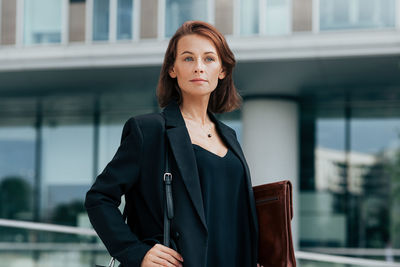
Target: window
x=17, y=170
x=179, y=11
x=101, y=18
x=350, y=175
x=265, y=17
x=356, y=14
x=249, y=17
x=124, y=19
x=42, y=21
x=277, y=17
x=67, y=158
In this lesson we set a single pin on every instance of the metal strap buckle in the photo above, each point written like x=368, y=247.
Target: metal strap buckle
x=168, y=174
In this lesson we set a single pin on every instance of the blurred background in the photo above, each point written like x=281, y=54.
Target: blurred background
x=320, y=81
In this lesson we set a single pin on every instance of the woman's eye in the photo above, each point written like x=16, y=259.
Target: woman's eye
x=210, y=59
x=188, y=59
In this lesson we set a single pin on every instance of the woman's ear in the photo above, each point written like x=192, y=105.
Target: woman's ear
x=222, y=74
x=172, y=73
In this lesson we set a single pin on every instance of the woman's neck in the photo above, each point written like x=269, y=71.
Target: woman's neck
x=195, y=110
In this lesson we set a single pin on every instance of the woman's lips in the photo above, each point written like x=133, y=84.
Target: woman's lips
x=198, y=80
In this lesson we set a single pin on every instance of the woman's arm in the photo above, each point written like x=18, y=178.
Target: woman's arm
x=104, y=197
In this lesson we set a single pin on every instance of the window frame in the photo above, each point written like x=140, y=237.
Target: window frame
x=113, y=22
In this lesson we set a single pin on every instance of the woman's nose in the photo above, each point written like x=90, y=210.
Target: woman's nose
x=199, y=68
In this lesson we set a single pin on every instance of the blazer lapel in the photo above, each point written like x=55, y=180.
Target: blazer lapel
x=182, y=150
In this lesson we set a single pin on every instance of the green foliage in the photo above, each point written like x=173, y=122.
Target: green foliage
x=15, y=197
x=66, y=214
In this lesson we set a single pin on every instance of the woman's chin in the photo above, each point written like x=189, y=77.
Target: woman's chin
x=198, y=92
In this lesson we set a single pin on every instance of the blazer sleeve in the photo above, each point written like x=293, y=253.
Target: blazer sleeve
x=104, y=197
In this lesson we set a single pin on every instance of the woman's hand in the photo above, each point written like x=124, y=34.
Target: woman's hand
x=160, y=255
x=258, y=265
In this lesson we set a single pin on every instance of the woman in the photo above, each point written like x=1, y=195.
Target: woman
x=215, y=221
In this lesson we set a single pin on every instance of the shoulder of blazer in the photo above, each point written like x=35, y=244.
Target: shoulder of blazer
x=143, y=122
x=149, y=121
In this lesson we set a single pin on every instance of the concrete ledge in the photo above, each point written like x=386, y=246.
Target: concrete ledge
x=151, y=52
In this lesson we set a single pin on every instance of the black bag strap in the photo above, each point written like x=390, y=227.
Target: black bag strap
x=169, y=205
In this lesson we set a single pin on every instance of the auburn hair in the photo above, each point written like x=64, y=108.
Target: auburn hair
x=225, y=97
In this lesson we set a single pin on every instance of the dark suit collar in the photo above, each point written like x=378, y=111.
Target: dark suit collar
x=173, y=116
x=182, y=149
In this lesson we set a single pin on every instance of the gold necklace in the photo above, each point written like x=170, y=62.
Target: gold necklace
x=209, y=135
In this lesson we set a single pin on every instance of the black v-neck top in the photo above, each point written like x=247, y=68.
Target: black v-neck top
x=226, y=208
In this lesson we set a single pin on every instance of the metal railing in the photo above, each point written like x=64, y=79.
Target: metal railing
x=343, y=260
x=301, y=255
x=47, y=227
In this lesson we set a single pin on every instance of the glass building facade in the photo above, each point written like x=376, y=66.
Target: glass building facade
x=351, y=184
x=60, y=126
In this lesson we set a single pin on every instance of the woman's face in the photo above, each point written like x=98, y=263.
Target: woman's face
x=197, y=66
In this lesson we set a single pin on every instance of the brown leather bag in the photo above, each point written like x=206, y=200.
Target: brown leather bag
x=275, y=212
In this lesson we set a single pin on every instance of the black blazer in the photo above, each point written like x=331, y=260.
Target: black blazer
x=136, y=171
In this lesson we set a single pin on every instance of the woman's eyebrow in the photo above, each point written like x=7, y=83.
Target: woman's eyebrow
x=188, y=52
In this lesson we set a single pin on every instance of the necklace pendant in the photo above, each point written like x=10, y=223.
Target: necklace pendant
x=209, y=135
